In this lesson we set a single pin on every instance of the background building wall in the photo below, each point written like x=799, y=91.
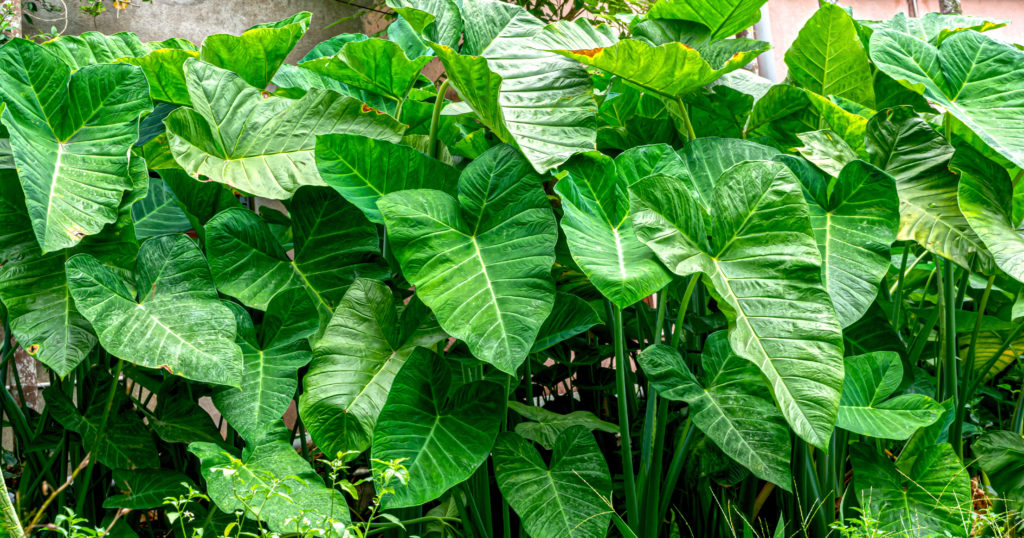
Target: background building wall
x=157, y=20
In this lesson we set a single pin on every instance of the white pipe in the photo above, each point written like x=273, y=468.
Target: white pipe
x=763, y=32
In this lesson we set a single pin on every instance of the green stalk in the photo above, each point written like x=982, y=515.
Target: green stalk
x=966, y=384
x=629, y=479
x=83, y=491
x=435, y=119
x=897, y=297
x=690, y=135
x=675, y=468
x=947, y=300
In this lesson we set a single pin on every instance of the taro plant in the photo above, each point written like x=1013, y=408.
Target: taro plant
x=597, y=279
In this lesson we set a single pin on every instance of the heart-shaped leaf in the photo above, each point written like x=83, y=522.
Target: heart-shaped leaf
x=333, y=245
x=355, y=362
x=271, y=358
x=566, y=497
x=482, y=263
x=364, y=169
x=258, y=53
x=866, y=408
x=763, y=267
x=70, y=135
x=730, y=406
x=722, y=17
x=917, y=157
x=599, y=231
x=259, y=144
x=974, y=77
x=178, y=323
x=440, y=438
x=828, y=58
x=375, y=65
x=546, y=426
x=855, y=220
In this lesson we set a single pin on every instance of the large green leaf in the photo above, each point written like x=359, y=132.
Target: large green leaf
x=975, y=78
x=440, y=21
x=163, y=69
x=723, y=17
x=570, y=316
x=70, y=135
x=258, y=53
x=785, y=111
x=178, y=323
x=917, y=157
x=482, y=262
x=855, y=220
x=985, y=197
x=934, y=27
x=539, y=101
x=763, y=267
x=670, y=70
x=866, y=408
x=158, y=213
x=364, y=169
x=145, y=489
x=271, y=358
x=1001, y=456
x=545, y=426
x=375, y=65
x=928, y=495
x=705, y=159
x=276, y=484
x=599, y=232
x=34, y=287
x=261, y=144
x=90, y=48
x=333, y=245
x=441, y=438
x=730, y=406
x=828, y=58
x=565, y=497
x=355, y=362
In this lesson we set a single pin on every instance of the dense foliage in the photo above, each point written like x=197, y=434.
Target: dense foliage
x=597, y=280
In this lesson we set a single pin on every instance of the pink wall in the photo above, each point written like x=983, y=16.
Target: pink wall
x=788, y=17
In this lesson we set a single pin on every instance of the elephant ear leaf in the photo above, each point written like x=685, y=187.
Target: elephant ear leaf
x=73, y=184
x=975, y=78
x=261, y=144
x=376, y=65
x=333, y=245
x=926, y=493
x=985, y=197
x=670, y=70
x=178, y=323
x=508, y=77
x=730, y=406
x=866, y=408
x=918, y=158
x=233, y=483
x=854, y=225
x=259, y=52
x=722, y=17
x=457, y=252
x=544, y=427
x=271, y=359
x=364, y=169
x=565, y=497
x=600, y=234
x=1001, y=456
x=440, y=438
x=828, y=58
x=759, y=226
x=355, y=362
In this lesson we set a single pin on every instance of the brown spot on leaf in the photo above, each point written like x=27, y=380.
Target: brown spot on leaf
x=265, y=94
x=367, y=109
x=31, y=350
x=589, y=53
x=166, y=367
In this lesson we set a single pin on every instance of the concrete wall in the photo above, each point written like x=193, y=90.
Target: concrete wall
x=787, y=17
x=157, y=20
